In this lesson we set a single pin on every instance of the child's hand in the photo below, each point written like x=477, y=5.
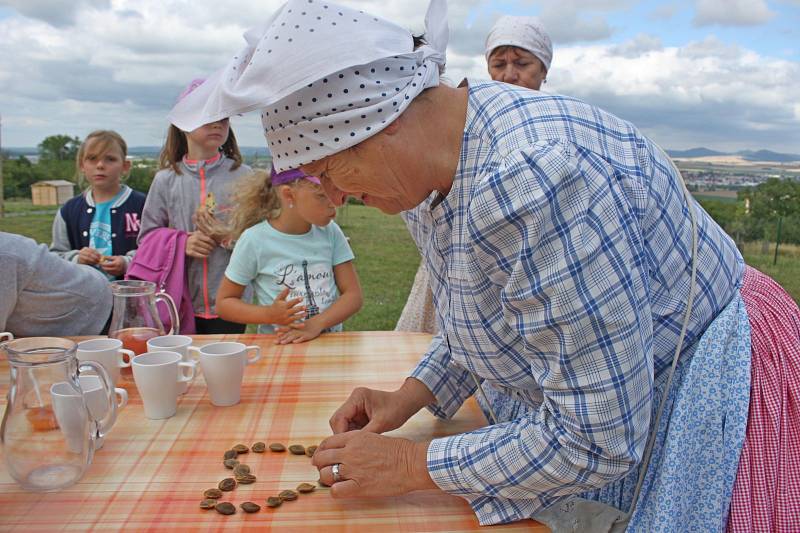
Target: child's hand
x=199, y=245
x=89, y=256
x=205, y=221
x=298, y=332
x=283, y=312
x=114, y=265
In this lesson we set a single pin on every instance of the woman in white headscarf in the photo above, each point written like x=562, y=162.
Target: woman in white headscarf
x=519, y=52
x=570, y=269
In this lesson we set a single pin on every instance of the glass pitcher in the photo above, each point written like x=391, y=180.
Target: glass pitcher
x=47, y=433
x=135, y=318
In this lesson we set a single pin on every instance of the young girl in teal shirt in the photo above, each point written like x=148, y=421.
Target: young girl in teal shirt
x=295, y=256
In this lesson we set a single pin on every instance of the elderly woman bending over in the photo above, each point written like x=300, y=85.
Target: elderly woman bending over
x=581, y=290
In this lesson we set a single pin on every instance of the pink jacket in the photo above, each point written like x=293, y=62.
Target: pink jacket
x=161, y=258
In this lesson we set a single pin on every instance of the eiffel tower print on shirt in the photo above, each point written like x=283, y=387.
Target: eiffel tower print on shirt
x=312, y=309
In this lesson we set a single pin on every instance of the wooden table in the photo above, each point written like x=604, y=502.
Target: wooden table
x=150, y=474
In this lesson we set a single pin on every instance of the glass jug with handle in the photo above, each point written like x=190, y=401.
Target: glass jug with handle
x=135, y=319
x=47, y=433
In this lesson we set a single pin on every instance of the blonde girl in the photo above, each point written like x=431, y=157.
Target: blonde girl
x=296, y=257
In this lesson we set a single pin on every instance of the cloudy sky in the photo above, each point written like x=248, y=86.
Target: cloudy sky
x=724, y=74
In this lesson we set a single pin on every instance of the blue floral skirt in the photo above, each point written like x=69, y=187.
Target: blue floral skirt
x=690, y=478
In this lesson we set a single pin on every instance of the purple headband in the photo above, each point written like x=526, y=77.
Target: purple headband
x=287, y=176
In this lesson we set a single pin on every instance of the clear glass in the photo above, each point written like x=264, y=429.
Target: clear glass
x=135, y=318
x=47, y=433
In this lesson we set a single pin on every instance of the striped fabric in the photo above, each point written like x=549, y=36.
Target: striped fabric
x=559, y=266
x=151, y=474
x=766, y=496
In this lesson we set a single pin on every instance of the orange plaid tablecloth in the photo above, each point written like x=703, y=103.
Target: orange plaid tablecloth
x=151, y=474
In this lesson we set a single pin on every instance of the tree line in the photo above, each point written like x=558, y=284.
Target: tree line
x=759, y=211
x=57, y=155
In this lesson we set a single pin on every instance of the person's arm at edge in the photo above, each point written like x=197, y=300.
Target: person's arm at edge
x=60, y=240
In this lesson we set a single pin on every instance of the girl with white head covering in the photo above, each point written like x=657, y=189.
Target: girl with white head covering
x=519, y=51
x=191, y=193
x=570, y=271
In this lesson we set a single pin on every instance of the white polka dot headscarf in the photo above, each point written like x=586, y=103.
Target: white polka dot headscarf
x=325, y=77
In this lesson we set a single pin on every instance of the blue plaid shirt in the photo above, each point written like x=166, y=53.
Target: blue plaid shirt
x=560, y=264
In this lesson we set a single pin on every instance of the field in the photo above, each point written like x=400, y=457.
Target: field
x=720, y=195
x=786, y=271
x=386, y=259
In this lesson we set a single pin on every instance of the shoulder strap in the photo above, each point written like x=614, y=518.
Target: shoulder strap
x=648, y=451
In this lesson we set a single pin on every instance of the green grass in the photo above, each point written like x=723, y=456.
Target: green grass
x=724, y=199
x=786, y=271
x=38, y=227
x=386, y=260
x=24, y=205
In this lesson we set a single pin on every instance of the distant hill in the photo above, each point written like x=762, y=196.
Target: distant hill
x=747, y=155
x=694, y=152
x=766, y=155
x=144, y=151
x=19, y=151
x=153, y=151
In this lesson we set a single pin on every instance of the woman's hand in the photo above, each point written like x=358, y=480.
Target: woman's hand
x=199, y=245
x=114, y=265
x=380, y=411
x=89, y=256
x=284, y=312
x=372, y=465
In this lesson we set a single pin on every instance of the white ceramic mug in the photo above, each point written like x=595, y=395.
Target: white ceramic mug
x=107, y=352
x=157, y=376
x=6, y=336
x=96, y=400
x=70, y=411
x=181, y=344
x=223, y=368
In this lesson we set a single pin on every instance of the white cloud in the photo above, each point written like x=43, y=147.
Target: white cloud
x=732, y=12
x=706, y=92
x=638, y=46
x=121, y=66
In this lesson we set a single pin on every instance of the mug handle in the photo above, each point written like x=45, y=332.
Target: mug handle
x=193, y=353
x=256, y=357
x=130, y=354
x=5, y=337
x=175, y=321
x=182, y=377
x=123, y=397
x=104, y=425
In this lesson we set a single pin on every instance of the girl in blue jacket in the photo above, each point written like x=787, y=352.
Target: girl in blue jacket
x=99, y=227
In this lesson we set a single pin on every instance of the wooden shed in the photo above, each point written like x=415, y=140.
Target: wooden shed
x=51, y=192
